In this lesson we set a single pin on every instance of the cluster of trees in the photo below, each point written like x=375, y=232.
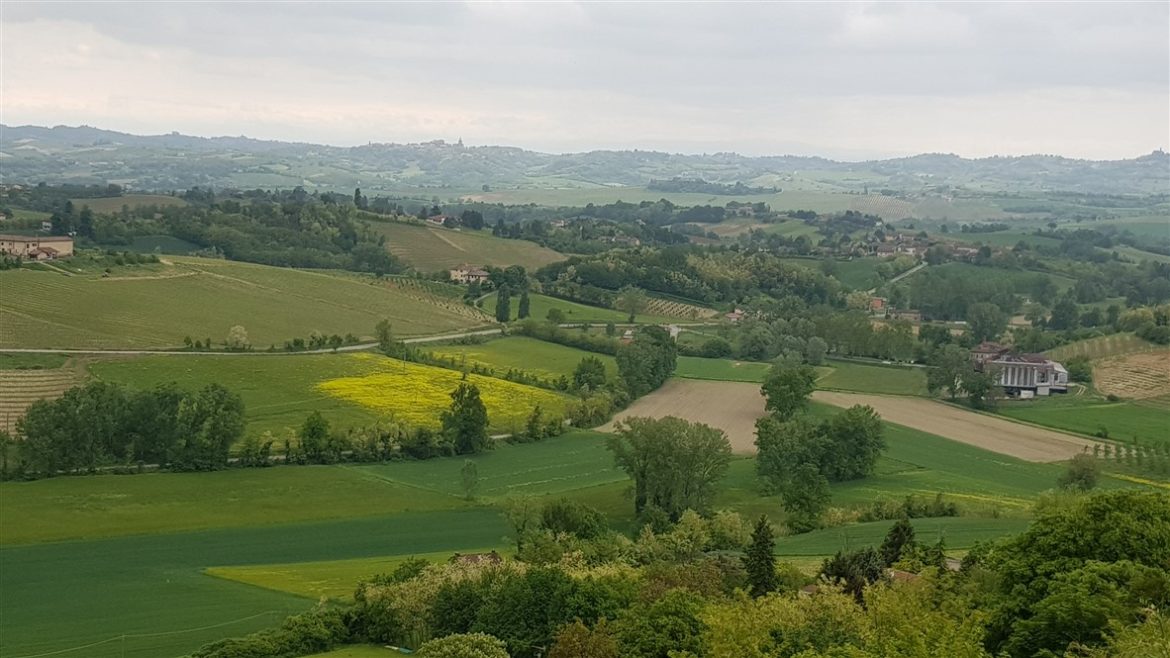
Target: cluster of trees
x=797, y=457
x=283, y=228
x=101, y=425
x=647, y=362
x=708, y=275
x=953, y=371
x=1087, y=579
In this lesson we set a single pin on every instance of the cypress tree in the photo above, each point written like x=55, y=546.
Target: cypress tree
x=503, y=304
x=522, y=310
x=760, y=561
x=898, y=539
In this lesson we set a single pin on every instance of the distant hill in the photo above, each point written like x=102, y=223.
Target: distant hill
x=164, y=162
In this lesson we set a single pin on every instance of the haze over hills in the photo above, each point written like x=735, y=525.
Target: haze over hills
x=162, y=162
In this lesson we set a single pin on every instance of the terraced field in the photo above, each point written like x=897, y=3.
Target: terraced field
x=675, y=309
x=156, y=307
x=434, y=249
x=20, y=388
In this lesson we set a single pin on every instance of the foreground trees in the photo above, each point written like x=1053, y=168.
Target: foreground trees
x=675, y=464
x=102, y=424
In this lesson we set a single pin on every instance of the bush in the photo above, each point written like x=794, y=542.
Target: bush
x=312, y=632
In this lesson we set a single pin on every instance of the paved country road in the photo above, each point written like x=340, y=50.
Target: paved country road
x=328, y=350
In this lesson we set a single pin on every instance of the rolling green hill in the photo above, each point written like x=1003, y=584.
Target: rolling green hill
x=431, y=249
x=156, y=306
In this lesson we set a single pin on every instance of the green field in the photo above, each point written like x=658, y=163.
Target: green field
x=25, y=361
x=332, y=579
x=958, y=533
x=522, y=353
x=157, y=306
x=858, y=273
x=539, y=306
x=433, y=249
x=697, y=367
x=152, y=589
x=1123, y=420
x=280, y=390
x=113, y=204
x=877, y=378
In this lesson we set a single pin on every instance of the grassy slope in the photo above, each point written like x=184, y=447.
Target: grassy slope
x=1123, y=420
x=521, y=353
x=695, y=367
x=539, y=306
x=157, y=306
x=1102, y=347
x=865, y=378
x=21, y=361
x=280, y=391
x=433, y=249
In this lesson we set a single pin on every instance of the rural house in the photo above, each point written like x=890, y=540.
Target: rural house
x=34, y=247
x=468, y=274
x=1023, y=375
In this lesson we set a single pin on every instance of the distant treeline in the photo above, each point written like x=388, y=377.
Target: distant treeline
x=700, y=186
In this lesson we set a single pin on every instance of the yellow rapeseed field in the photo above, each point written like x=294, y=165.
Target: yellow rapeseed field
x=417, y=394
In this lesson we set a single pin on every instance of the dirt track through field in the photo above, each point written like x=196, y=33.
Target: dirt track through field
x=734, y=407
x=1003, y=436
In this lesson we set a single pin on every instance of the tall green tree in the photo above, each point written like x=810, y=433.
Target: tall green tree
x=522, y=310
x=675, y=464
x=804, y=497
x=949, y=364
x=1082, y=473
x=647, y=362
x=589, y=374
x=898, y=541
x=469, y=479
x=210, y=421
x=631, y=300
x=314, y=437
x=985, y=321
x=465, y=423
x=787, y=389
x=503, y=304
x=385, y=335
x=760, y=560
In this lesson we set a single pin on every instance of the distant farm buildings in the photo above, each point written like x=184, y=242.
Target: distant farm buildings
x=32, y=247
x=468, y=274
x=1023, y=375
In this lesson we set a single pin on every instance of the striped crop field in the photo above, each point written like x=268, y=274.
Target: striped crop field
x=433, y=249
x=159, y=305
x=20, y=388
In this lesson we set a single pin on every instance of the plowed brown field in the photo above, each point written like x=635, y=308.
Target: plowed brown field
x=734, y=407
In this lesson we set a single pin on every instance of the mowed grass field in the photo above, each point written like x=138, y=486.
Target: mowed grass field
x=354, y=389
x=157, y=306
x=697, y=367
x=432, y=249
x=522, y=353
x=866, y=378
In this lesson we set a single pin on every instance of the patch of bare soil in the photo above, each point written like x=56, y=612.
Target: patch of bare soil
x=730, y=406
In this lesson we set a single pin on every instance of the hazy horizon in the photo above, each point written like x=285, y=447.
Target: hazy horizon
x=455, y=140
x=848, y=81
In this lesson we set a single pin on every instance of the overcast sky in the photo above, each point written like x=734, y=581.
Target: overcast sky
x=838, y=79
